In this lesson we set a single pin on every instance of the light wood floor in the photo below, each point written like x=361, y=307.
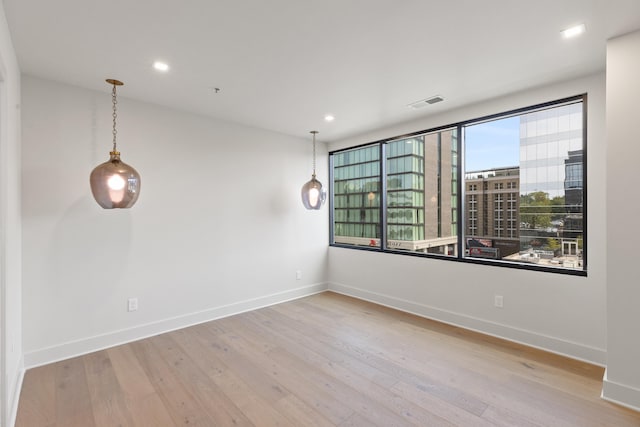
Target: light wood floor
x=324, y=360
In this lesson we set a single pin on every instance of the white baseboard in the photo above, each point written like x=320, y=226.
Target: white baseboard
x=532, y=339
x=76, y=348
x=620, y=394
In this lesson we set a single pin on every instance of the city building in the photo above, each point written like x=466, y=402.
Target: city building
x=492, y=203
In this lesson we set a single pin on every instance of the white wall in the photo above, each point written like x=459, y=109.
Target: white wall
x=622, y=382
x=10, y=251
x=219, y=226
x=561, y=313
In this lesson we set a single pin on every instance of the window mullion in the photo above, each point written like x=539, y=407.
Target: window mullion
x=383, y=196
x=331, y=202
x=461, y=214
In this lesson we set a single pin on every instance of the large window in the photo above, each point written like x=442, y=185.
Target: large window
x=356, y=196
x=420, y=194
x=515, y=182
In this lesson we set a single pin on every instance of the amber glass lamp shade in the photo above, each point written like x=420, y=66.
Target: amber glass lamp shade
x=115, y=184
x=313, y=195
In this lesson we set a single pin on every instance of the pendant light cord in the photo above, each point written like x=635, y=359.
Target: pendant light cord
x=314, y=132
x=115, y=115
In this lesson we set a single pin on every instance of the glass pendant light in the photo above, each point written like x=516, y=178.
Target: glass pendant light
x=313, y=195
x=115, y=184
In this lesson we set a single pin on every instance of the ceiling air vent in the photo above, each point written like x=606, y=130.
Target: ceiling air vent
x=425, y=102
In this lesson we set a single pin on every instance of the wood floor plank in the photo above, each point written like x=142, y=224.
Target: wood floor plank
x=300, y=413
x=263, y=384
x=107, y=398
x=256, y=409
x=319, y=342
x=73, y=400
x=150, y=411
x=358, y=400
x=132, y=378
x=38, y=403
x=391, y=357
x=306, y=345
x=271, y=391
x=357, y=420
x=214, y=401
x=443, y=408
x=231, y=350
x=145, y=405
x=178, y=399
x=456, y=370
x=324, y=360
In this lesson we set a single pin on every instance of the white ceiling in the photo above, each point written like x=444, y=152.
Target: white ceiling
x=283, y=64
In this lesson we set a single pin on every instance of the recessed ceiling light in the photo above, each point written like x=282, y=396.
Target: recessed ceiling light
x=573, y=31
x=329, y=118
x=161, y=66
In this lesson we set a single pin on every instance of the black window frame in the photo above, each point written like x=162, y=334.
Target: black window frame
x=461, y=191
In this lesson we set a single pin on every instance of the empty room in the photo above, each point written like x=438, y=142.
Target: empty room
x=337, y=213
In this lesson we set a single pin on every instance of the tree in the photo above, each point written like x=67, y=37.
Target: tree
x=553, y=244
x=558, y=208
x=536, y=209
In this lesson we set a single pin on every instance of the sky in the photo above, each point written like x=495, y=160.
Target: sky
x=492, y=144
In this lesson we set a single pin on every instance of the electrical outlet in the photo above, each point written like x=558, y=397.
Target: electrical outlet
x=132, y=304
x=498, y=301
x=298, y=274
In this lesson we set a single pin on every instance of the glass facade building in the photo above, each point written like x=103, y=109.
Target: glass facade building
x=421, y=194
x=546, y=138
x=405, y=189
x=356, y=196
